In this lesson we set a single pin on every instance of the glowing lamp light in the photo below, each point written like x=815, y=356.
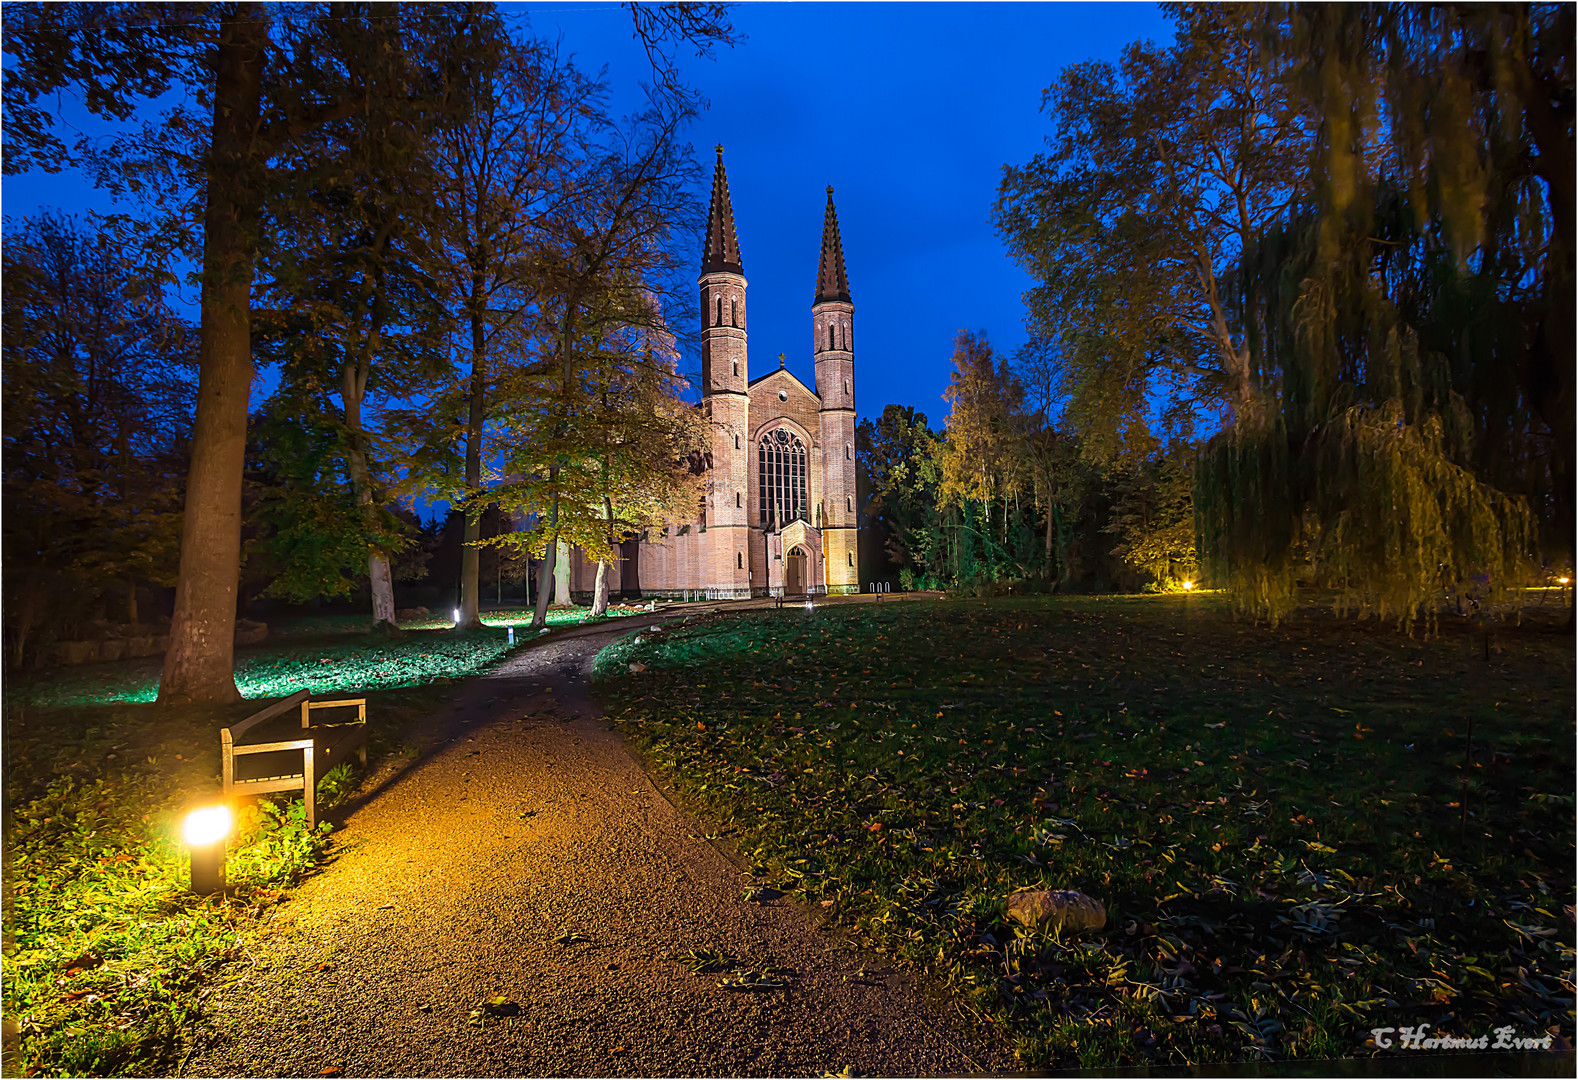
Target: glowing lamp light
x=204, y=832
x=1188, y=585
x=1563, y=581
x=809, y=606
x=457, y=616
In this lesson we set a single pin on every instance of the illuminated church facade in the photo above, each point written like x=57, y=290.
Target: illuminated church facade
x=778, y=517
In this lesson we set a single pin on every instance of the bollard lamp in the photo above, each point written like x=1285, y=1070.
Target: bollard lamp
x=204, y=833
x=1188, y=586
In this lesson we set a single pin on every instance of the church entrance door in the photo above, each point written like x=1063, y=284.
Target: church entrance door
x=794, y=573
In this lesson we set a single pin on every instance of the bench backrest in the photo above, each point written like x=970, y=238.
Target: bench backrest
x=228, y=736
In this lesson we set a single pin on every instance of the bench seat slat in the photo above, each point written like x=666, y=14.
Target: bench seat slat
x=273, y=783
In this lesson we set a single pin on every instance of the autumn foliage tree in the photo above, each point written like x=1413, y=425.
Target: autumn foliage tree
x=97, y=412
x=259, y=78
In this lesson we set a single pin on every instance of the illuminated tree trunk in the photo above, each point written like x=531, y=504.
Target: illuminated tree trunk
x=470, y=555
x=199, y=666
x=600, y=593
x=539, y=615
x=561, y=575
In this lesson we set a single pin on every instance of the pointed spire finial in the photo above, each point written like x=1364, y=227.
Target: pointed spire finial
x=780, y=360
x=722, y=251
x=831, y=282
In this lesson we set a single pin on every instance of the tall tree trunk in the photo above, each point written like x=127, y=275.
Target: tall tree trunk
x=1049, y=534
x=353, y=390
x=131, y=602
x=539, y=615
x=600, y=593
x=561, y=576
x=470, y=561
x=199, y=665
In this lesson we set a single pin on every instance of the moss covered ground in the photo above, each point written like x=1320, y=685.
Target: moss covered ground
x=1294, y=837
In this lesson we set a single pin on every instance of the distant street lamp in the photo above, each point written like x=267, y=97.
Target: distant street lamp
x=1188, y=586
x=204, y=832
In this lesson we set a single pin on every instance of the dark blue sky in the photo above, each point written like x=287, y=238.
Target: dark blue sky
x=909, y=110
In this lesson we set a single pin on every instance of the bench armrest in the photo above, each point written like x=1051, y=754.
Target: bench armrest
x=268, y=747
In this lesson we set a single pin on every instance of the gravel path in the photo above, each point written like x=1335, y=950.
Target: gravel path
x=531, y=817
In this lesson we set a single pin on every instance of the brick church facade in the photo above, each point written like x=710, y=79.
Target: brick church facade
x=778, y=517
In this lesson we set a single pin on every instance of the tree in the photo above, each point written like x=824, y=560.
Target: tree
x=97, y=410
x=900, y=452
x=1162, y=171
x=346, y=311
x=267, y=76
x=1153, y=516
x=503, y=171
x=595, y=419
x=1399, y=458
x=309, y=539
x=982, y=458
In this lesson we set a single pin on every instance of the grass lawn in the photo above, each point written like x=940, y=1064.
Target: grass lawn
x=321, y=653
x=1274, y=819
x=328, y=664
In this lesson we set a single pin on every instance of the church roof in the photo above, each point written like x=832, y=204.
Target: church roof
x=831, y=284
x=722, y=252
x=786, y=373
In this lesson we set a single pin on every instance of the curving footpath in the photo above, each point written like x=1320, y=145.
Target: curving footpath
x=528, y=818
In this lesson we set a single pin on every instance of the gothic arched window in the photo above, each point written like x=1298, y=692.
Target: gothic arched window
x=781, y=461
x=830, y=343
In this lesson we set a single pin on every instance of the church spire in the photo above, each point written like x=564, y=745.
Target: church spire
x=722, y=252
x=831, y=284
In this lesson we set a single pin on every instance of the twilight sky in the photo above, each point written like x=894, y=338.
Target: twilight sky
x=909, y=110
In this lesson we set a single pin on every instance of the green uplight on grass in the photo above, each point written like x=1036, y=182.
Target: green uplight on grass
x=351, y=662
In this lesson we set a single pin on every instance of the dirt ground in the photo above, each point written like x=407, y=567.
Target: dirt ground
x=454, y=873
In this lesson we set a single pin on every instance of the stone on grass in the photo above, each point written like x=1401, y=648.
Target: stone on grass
x=1056, y=909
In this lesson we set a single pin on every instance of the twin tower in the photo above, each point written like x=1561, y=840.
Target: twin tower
x=780, y=514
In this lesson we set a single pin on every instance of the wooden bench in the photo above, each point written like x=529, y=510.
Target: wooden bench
x=291, y=764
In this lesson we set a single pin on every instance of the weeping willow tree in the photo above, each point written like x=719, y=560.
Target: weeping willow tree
x=1414, y=430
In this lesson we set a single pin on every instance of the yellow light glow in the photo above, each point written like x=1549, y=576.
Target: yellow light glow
x=1188, y=585
x=207, y=826
x=1564, y=580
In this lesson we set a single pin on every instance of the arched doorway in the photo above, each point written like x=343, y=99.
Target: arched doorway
x=794, y=572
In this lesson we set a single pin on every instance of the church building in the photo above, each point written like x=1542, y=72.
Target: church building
x=778, y=518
